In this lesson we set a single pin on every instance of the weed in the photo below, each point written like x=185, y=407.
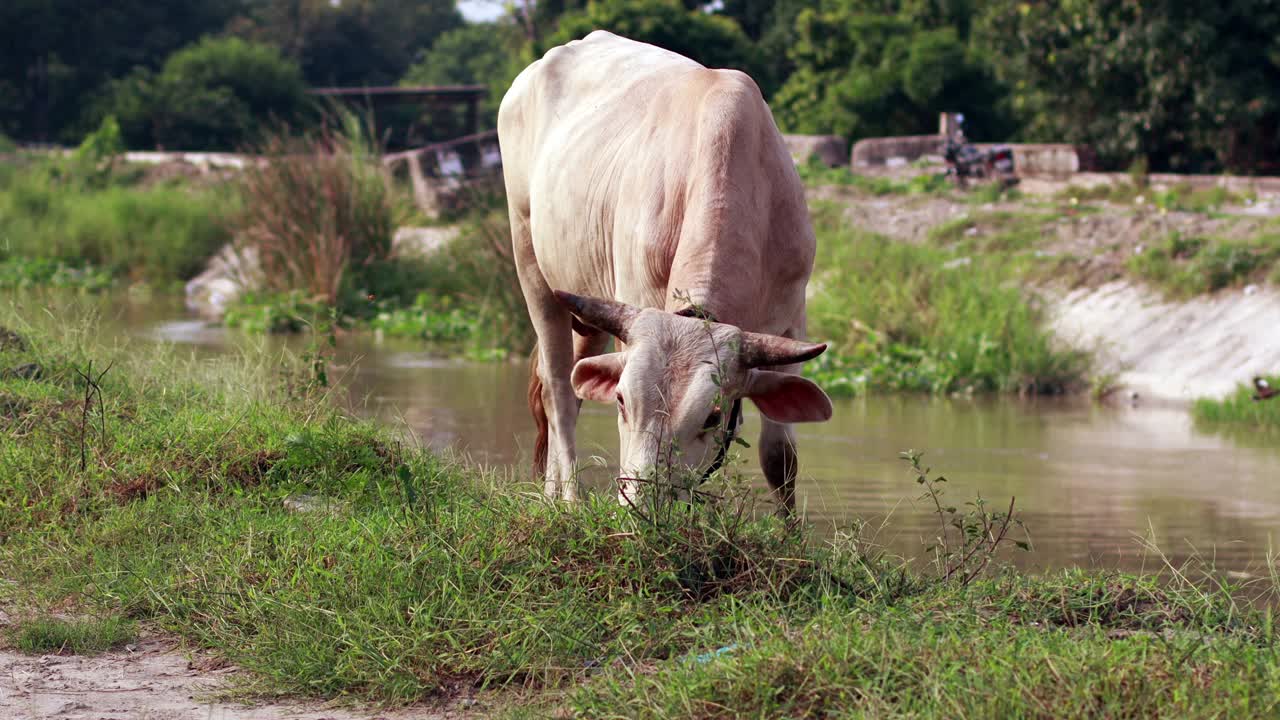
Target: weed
x=74, y=637
x=978, y=531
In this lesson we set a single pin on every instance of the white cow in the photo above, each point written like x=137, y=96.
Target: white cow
x=646, y=193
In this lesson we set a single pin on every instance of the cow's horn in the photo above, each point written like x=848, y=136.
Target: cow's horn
x=610, y=316
x=759, y=350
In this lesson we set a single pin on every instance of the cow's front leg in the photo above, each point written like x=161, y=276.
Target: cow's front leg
x=779, y=461
x=555, y=365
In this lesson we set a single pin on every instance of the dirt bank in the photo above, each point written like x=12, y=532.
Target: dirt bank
x=1201, y=347
x=154, y=680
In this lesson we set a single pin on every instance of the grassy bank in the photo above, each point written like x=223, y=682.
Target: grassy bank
x=1240, y=409
x=62, y=221
x=920, y=318
x=227, y=503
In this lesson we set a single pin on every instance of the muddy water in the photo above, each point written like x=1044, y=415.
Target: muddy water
x=1091, y=481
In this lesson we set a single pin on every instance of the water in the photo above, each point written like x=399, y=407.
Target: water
x=1090, y=481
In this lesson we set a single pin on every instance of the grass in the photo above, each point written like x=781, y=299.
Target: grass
x=1182, y=197
x=1187, y=266
x=79, y=636
x=905, y=317
x=998, y=231
x=161, y=500
x=1239, y=409
x=56, y=212
x=817, y=174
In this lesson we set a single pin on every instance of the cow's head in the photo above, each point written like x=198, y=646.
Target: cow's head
x=676, y=380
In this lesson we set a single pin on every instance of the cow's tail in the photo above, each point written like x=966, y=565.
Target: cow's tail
x=539, y=411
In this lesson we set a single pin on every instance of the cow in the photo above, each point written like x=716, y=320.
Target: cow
x=652, y=201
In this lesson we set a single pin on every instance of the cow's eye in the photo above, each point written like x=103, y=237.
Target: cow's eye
x=622, y=407
x=713, y=421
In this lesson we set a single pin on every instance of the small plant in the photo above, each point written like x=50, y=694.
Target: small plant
x=58, y=636
x=967, y=540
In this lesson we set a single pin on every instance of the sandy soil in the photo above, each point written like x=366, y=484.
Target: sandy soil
x=154, y=680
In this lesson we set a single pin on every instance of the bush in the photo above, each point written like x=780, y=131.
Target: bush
x=217, y=94
x=1240, y=409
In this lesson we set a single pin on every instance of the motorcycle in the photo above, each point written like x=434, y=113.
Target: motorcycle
x=965, y=161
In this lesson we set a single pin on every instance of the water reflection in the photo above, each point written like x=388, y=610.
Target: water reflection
x=1089, y=479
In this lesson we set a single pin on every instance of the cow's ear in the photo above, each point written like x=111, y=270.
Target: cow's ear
x=787, y=398
x=596, y=378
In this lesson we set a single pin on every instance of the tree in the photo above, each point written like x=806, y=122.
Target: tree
x=1189, y=86
x=350, y=42
x=477, y=54
x=712, y=40
x=55, y=55
x=214, y=95
x=867, y=68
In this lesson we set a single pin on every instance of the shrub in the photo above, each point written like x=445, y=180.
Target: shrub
x=217, y=94
x=317, y=210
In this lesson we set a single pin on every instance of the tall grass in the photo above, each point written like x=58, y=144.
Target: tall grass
x=1240, y=409
x=906, y=317
x=317, y=212
x=53, y=210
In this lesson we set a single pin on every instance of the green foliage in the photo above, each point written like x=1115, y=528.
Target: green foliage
x=24, y=273
x=1240, y=409
x=57, y=55
x=352, y=43
x=865, y=70
x=74, y=637
x=217, y=94
x=906, y=317
x=66, y=215
x=712, y=40
x=1186, y=85
x=476, y=54
x=1186, y=266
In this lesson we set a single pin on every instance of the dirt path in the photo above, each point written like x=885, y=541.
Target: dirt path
x=152, y=680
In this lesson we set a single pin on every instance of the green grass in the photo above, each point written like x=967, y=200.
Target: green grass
x=1188, y=266
x=906, y=317
x=414, y=576
x=57, y=212
x=816, y=174
x=1239, y=409
x=1182, y=197
x=999, y=231
x=76, y=636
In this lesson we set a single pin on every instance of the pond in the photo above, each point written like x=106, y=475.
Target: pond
x=1091, y=481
